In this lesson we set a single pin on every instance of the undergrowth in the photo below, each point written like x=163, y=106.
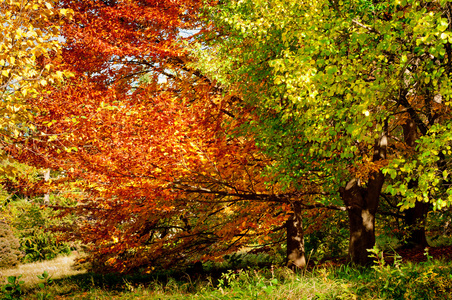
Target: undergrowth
x=396, y=280
x=425, y=280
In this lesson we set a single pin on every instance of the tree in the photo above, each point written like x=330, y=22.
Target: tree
x=334, y=84
x=29, y=49
x=161, y=180
x=129, y=38
x=160, y=175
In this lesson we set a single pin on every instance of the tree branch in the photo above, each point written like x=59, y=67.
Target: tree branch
x=370, y=29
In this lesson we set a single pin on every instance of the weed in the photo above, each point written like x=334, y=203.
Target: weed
x=410, y=281
x=12, y=289
x=427, y=255
x=43, y=294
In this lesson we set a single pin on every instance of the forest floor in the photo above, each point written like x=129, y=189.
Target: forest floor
x=416, y=275
x=419, y=254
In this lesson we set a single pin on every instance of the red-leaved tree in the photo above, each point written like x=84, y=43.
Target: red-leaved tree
x=151, y=148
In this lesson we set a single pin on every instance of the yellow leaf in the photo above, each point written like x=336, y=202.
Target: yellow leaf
x=59, y=75
x=19, y=33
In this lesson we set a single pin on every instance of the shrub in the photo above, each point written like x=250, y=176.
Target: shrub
x=33, y=223
x=427, y=280
x=13, y=289
x=39, y=245
x=9, y=247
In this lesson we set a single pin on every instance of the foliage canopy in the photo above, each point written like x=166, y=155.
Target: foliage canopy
x=164, y=135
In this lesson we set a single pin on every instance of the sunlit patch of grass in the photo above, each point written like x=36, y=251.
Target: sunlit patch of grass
x=59, y=267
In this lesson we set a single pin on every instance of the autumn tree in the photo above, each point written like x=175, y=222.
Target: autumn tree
x=349, y=95
x=165, y=172
x=29, y=50
x=162, y=181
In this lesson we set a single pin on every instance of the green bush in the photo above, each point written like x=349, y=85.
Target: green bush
x=33, y=228
x=413, y=281
x=428, y=280
x=37, y=242
x=40, y=245
x=9, y=247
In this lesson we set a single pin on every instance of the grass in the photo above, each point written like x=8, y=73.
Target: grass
x=60, y=267
x=427, y=280
x=249, y=284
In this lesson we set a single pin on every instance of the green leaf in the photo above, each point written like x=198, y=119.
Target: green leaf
x=442, y=24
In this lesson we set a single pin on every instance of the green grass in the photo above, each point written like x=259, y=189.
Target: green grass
x=429, y=280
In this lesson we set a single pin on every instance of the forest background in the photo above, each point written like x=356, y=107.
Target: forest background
x=167, y=134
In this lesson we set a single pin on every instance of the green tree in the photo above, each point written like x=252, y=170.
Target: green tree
x=348, y=94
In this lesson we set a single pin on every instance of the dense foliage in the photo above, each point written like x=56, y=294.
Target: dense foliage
x=350, y=94
x=157, y=176
x=192, y=129
x=30, y=53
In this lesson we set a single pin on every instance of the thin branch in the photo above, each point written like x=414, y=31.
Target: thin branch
x=246, y=196
x=320, y=205
x=370, y=29
x=278, y=198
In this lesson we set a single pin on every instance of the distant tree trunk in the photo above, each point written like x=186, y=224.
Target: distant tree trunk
x=416, y=216
x=295, y=239
x=362, y=204
x=47, y=178
x=415, y=221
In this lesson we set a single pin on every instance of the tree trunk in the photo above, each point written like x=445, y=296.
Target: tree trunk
x=47, y=178
x=414, y=217
x=295, y=239
x=415, y=222
x=361, y=214
x=362, y=204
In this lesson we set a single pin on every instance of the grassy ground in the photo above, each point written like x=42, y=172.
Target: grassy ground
x=60, y=267
x=431, y=279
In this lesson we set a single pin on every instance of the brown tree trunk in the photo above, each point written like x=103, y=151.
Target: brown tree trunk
x=415, y=222
x=362, y=204
x=295, y=239
x=415, y=217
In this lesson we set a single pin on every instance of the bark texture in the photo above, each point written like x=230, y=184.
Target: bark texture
x=362, y=204
x=295, y=239
x=415, y=222
x=415, y=217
